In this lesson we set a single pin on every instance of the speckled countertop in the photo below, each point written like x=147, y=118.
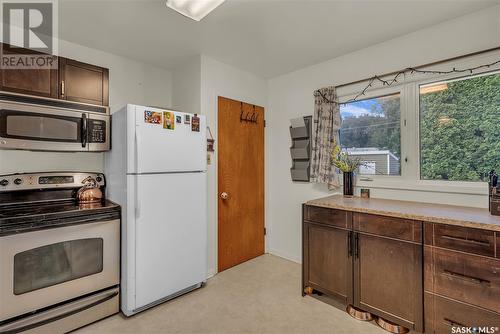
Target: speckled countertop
x=436, y=213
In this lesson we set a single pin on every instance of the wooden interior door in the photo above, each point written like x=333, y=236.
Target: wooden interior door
x=240, y=182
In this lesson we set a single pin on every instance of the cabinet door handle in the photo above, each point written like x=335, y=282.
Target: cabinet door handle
x=349, y=243
x=356, y=245
x=465, y=277
x=63, y=90
x=469, y=241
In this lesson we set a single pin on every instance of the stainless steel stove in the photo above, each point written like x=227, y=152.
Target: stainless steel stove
x=59, y=260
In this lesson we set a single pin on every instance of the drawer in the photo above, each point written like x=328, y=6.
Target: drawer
x=468, y=278
x=403, y=229
x=468, y=240
x=443, y=314
x=327, y=216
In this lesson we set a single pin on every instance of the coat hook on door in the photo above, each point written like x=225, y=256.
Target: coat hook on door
x=247, y=117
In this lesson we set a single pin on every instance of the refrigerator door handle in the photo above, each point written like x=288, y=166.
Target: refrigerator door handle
x=137, y=203
x=136, y=148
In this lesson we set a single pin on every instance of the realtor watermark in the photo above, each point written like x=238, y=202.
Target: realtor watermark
x=29, y=34
x=474, y=330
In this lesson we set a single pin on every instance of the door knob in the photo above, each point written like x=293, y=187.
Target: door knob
x=224, y=195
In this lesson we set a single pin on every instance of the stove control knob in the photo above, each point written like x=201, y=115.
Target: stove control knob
x=98, y=178
x=4, y=183
x=18, y=181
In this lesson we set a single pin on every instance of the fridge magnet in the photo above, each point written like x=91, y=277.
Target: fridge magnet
x=178, y=119
x=195, y=123
x=168, y=120
x=187, y=119
x=152, y=117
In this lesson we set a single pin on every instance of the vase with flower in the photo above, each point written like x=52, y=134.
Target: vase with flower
x=347, y=164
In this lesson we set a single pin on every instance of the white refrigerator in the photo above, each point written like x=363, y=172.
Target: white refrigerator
x=156, y=170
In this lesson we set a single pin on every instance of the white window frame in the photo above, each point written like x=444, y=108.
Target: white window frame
x=408, y=88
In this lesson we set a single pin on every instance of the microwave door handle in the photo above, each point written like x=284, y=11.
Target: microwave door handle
x=84, y=130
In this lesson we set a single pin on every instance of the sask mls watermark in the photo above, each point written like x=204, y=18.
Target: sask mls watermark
x=29, y=34
x=474, y=330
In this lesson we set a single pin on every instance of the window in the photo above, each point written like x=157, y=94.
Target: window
x=368, y=168
x=371, y=129
x=460, y=128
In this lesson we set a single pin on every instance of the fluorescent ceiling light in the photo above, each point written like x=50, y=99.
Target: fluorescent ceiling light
x=194, y=9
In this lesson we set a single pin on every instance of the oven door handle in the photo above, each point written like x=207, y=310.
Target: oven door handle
x=63, y=311
x=84, y=130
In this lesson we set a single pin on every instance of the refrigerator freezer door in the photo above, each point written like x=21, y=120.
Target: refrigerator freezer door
x=171, y=234
x=160, y=149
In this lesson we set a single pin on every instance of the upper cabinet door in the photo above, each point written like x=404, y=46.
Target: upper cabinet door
x=80, y=82
x=39, y=82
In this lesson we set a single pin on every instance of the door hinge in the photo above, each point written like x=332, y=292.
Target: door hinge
x=265, y=231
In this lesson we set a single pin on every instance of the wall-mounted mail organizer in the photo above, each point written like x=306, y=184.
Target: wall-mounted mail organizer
x=300, y=131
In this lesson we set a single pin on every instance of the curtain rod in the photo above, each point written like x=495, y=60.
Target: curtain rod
x=425, y=65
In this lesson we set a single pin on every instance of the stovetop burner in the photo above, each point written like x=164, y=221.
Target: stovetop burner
x=47, y=200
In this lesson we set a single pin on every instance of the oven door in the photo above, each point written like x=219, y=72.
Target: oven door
x=30, y=127
x=46, y=267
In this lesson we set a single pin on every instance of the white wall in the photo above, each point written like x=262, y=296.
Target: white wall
x=186, y=86
x=291, y=95
x=218, y=79
x=129, y=82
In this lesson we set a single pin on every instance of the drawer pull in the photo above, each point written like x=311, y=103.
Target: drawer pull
x=470, y=241
x=466, y=277
x=453, y=323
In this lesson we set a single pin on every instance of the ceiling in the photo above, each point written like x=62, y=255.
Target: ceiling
x=265, y=37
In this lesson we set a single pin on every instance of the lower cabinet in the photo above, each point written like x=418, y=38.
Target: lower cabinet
x=388, y=279
x=427, y=277
x=461, y=280
x=444, y=315
x=328, y=248
x=365, y=263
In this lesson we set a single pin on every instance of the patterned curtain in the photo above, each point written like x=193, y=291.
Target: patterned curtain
x=325, y=131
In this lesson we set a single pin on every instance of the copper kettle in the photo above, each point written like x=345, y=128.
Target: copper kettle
x=90, y=192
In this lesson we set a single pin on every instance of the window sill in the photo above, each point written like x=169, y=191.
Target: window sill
x=453, y=187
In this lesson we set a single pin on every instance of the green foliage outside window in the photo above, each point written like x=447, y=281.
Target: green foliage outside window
x=460, y=129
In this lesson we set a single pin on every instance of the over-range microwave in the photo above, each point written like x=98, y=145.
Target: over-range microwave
x=30, y=123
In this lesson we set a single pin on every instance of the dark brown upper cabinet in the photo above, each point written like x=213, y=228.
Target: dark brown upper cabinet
x=38, y=82
x=80, y=82
x=71, y=80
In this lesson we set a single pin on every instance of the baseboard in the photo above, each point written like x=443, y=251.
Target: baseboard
x=285, y=256
x=211, y=273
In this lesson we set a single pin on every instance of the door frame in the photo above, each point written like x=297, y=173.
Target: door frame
x=215, y=163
